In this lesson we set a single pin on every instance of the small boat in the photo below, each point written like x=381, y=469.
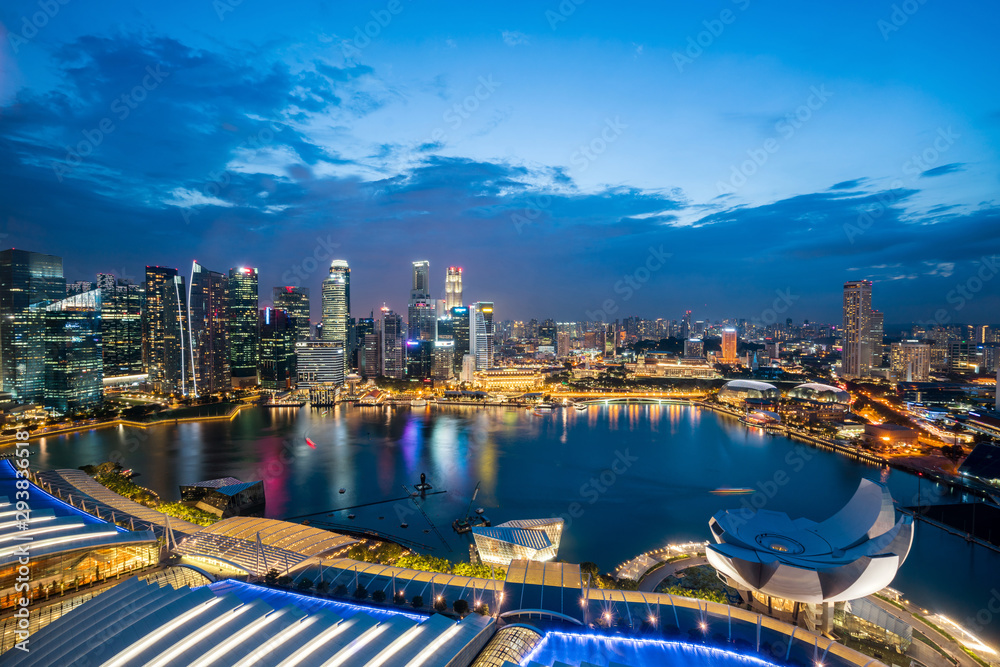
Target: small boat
x=580, y=407
x=418, y=403
x=310, y=443
x=343, y=490
x=404, y=525
x=544, y=407
x=732, y=491
x=479, y=510
x=350, y=516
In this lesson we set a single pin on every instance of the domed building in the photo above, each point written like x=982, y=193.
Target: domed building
x=739, y=393
x=820, y=393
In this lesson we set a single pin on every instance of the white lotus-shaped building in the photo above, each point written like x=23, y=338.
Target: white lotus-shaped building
x=854, y=553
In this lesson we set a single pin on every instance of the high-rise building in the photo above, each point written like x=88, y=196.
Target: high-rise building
x=278, y=333
x=121, y=326
x=857, y=351
x=729, y=345
x=563, y=344
x=453, y=287
x=478, y=338
x=371, y=355
x=337, y=302
x=910, y=361
x=244, y=336
x=363, y=327
x=393, y=352
x=460, y=326
x=963, y=356
x=208, y=329
x=421, y=308
x=547, y=333
x=694, y=348
x=419, y=358
x=26, y=279
x=79, y=287
x=319, y=362
x=877, y=337
x=164, y=331
x=74, y=367
x=443, y=367
x=295, y=302
x=489, y=328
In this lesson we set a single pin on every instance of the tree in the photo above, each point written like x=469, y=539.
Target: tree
x=461, y=607
x=440, y=604
x=360, y=593
x=271, y=578
x=322, y=587
x=304, y=584
x=483, y=609
x=284, y=580
x=399, y=597
x=378, y=596
x=417, y=601
x=340, y=590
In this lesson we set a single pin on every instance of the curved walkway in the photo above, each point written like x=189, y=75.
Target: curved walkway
x=651, y=581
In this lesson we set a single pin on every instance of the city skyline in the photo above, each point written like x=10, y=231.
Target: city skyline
x=724, y=166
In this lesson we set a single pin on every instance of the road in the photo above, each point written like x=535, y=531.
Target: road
x=650, y=582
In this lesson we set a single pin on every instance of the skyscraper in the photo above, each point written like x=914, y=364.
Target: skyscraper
x=278, y=331
x=419, y=358
x=337, y=302
x=164, y=335
x=208, y=329
x=73, y=361
x=393, y=353
x=242, y=315
x=364, y=327
x=460, y=323
x=911, y=361
x=295, y=302
x=877, y=337
x=26, y=278
x=729, y=343
x=453, y=287
x=121, y=325
x=421, y=308
x=857, y=351
x=478, y=338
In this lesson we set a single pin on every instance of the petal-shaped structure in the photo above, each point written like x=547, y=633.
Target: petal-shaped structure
x=852, y=554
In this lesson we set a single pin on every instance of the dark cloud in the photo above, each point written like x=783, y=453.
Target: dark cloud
x=943, y=169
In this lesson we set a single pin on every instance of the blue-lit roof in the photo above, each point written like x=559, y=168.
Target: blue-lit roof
x=532, y=539
x=233, y=489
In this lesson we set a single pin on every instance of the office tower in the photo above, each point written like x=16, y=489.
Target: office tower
x=445, y=328
x=364, y=327
x=371, y=356
x=208, y=331
x=729, y=344
x=877, y=337
x=453, y=287
x=74, y=367
x=278, y=334
x=478, y=339
x=319, y=362
x=468, y=372
x=337, y=302
x=164, y=334
x=242, y=315
x=79, y=287
x=460, y=322
x=963, y=356
x=121, y=326
x=686, y=324
x=563, y=344
x=421, y=308
x=419, y=358
x=694, y=348
x=590, y=340
x=547, y=333
x=391, y=334
x=26, y=279
x=910, y=361
x=295, y=302
x=857, y=354
x=443, y=366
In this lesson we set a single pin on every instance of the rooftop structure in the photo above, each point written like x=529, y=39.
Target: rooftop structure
x=737, y=392
x=983, y=463
x=820, y=393
x=226, y=497
x=527, y=539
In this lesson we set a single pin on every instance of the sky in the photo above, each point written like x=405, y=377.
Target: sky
x=579, y=159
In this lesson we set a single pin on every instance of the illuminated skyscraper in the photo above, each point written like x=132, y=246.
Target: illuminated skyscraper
x=729, y=344
x=421, y=280
x=26, y=278
x=208, y=329
x=460, y=330
x=278, y=332
x=337, y=302
x=877, y=337
x=453, y=287
x=911, y=361
x=244, y=336
x=73, y=362
x=421, y=308
x=121, y=325
x=481, y=334
x=857, y=351
x=164, y=332
x=393, y=347
x=295, y=302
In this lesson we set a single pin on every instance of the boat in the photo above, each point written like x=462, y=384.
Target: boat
x=310, y=443
x=732, y=491
x=544, y=407
x=404, y=525
x=343, y=490
x=418, y=403
x=580, y=406
x=479, y=510
x=350, y=516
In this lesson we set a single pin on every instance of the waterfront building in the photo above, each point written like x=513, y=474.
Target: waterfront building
x=393, y=350
x=883, y=436
x=741, y=393
x=74, y=367
x=278, y=334
x=729, y=345
x=337, y=302
x=208, y=328
x=481, y=333
x=460, y=323
x=26, y=279
x=421, y=308
x=318, y=362
x=121, y=326
x=531, y=540
x=242, y=316
x=165, y=331
x=516, y=379
x=294, y=301
x=453, y=288
x=808, y=566
x=857, y=350
x=443, y=366
x=694, y=348
x=983, y=464
x=419, y=358
x=910, y=361
x=468, y=373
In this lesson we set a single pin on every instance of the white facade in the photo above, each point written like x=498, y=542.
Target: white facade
x=319, y=362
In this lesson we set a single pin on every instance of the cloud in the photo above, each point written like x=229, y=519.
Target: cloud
x=514, y=38
x=943, y=170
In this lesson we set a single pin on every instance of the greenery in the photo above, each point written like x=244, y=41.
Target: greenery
x=919, y=636
x=110, y=475
x=892, y=602
x=191, y=514
x=696, y=582
x=378, y=596
x=417, y=601
x=387, y=553
x=460, y=607
x=304, y=584
x=360, y=593
x=271, y=578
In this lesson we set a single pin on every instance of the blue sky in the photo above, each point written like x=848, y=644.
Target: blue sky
x=550, y=149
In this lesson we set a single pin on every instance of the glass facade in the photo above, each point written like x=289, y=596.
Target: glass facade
x=295, y=302
x=460, y=333
x=393, y=354
x=165, y=331
x=857, y=349
x=277, y=349
x=209, y=332
x=74, y=368
x=337, y=302
x=453, y=287
x=244, y=339
x=121, y=325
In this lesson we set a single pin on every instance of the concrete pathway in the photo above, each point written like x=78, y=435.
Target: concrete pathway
x=649, y=582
